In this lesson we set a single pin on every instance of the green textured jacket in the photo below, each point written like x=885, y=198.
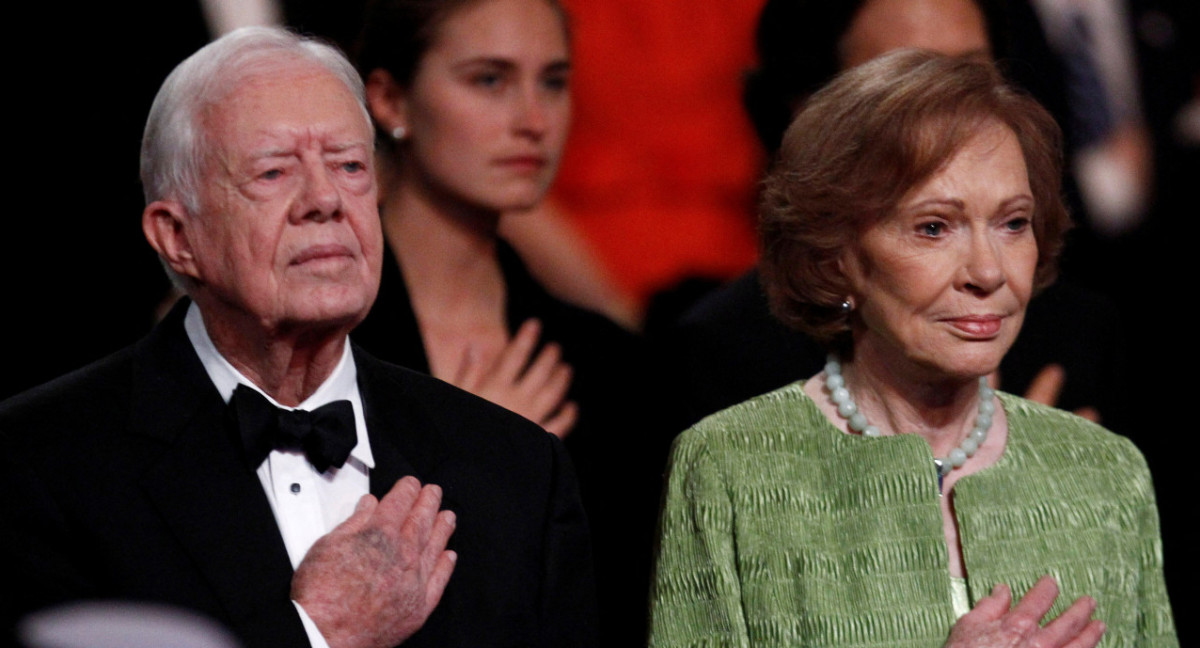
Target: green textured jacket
x=780, y=530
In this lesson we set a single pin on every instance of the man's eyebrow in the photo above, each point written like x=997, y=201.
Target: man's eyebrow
x=342, y=147
x=272, y=153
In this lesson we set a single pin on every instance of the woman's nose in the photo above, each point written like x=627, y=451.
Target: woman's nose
x=983, y=267
x=532, y=113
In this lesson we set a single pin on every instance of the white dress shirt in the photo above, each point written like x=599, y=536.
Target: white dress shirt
x=307, y=504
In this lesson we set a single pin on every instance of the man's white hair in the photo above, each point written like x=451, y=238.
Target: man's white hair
x=173, y=147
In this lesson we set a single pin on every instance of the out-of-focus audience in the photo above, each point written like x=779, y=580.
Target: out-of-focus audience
x=473, y=101
x=660, y=170
x=122, y=625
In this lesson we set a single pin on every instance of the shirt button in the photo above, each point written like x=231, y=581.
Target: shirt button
x=295, y=488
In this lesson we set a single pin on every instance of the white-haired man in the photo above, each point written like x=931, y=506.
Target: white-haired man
x=244, y=460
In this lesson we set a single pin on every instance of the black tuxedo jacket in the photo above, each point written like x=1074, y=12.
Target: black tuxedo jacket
x=124, y=481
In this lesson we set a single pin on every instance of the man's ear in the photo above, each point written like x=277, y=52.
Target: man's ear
x=388, y=103
x=165, y=224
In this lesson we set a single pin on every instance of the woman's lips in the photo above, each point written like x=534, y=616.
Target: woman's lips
x=978, y=326
x=526, y=163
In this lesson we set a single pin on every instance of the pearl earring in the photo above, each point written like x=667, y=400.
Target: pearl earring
x=398, y=133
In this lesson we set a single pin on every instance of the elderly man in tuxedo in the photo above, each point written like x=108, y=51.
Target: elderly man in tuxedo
x=245, y=460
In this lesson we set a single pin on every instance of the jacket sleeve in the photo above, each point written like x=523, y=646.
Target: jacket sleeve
x=568, y=598
x=695, y=597
x=1155, y=623
x=38, y=546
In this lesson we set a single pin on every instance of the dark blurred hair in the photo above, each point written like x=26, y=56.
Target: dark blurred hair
x=397, y=33
x=799, y=50
x=798, y=44
x=865, y=140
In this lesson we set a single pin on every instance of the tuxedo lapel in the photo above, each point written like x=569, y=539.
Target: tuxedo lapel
x=387, y=419
x=405, y=440
x=202, y=486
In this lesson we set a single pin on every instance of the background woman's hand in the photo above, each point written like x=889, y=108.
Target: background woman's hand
x=991, y=624
x=534, y=387
x=1045, y=388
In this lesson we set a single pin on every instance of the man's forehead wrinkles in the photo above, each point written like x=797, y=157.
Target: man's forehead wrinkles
x=288, y=141
x=295, y=152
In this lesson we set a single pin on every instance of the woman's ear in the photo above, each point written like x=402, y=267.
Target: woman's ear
x=388, y=102
x=846, y=264
x=849, y=265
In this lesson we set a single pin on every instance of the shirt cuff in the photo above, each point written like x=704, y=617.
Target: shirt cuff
x=315, y=638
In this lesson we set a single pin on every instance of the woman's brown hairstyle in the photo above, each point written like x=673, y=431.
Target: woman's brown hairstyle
x=863, y=142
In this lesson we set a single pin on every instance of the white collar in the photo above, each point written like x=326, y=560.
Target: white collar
x=342, y=384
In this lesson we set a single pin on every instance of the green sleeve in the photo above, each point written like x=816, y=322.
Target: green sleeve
x=1155, y=624
x=695, y=597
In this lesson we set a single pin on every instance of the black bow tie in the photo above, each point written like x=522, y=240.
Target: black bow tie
x=326, y=435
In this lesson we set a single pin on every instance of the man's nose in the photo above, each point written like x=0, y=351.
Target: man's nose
x=320, y=199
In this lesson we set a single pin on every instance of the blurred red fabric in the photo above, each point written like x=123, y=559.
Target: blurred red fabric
x=661, y=165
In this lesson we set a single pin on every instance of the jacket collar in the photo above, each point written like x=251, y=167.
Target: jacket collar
x=202, y=486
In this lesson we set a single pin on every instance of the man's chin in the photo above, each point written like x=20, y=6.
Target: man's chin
x=323, y=315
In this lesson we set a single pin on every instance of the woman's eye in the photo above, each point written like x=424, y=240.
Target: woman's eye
x=932, y=229
x=353, y=167
x=488, y=80
x=557, y=82
x=1019, y=224
x=271, y=174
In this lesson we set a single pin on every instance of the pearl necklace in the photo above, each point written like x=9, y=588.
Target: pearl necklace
x=835, y=384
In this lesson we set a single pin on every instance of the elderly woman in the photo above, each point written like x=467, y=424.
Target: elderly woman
x=894, y=499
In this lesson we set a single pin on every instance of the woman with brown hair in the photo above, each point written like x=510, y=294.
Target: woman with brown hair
x=894, y=498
